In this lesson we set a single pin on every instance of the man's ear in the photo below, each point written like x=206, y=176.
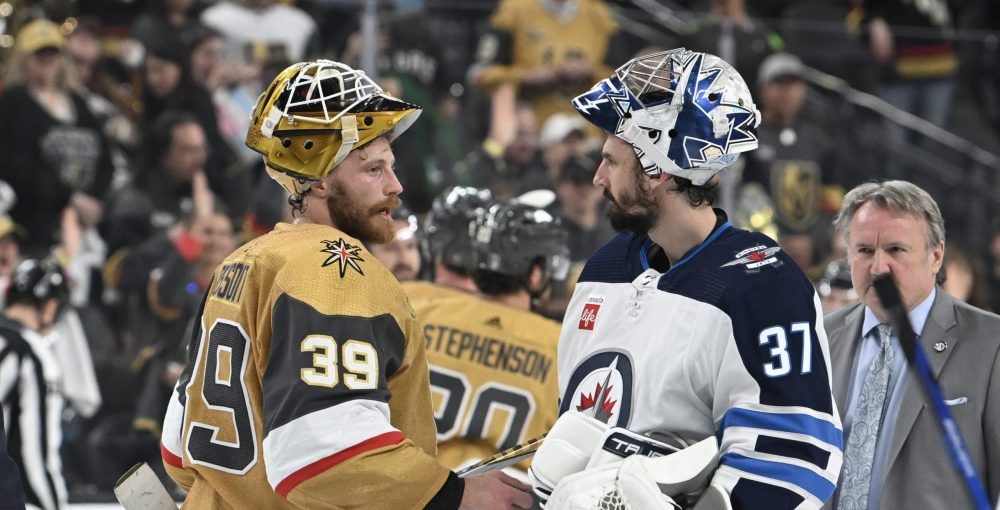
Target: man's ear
x=657, y=181
x=321, y=188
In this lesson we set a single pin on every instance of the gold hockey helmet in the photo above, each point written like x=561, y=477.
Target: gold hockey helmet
x=314, y=113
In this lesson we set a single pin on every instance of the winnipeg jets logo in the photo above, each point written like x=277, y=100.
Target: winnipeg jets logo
x=589, y=400
x=601, y=384
x=344, y=254
x=755, y=257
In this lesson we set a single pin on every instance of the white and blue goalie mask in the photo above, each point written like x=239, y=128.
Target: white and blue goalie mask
x=685, y=113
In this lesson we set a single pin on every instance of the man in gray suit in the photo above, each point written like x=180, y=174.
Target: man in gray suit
x=894, y=456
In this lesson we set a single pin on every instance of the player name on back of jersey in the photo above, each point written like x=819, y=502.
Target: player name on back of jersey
x=487, y=351
x=229, y=286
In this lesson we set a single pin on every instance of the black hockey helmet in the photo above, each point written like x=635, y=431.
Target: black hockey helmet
x=513, y=235
x=37, y=281
x=451, y=223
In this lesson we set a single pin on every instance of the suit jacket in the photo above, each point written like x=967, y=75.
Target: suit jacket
x=919, y=473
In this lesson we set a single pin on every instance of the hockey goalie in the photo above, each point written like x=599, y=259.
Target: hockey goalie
x=685, y=331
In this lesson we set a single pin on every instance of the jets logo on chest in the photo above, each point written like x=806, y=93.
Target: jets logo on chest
x=601, y=385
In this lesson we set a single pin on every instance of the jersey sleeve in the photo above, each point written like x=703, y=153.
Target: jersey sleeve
x=495, y=51
x=779, y=432
x=329, y=436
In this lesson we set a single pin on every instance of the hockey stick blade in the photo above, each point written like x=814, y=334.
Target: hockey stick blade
x=503, y=459
x=140, y=489
x=888, y=295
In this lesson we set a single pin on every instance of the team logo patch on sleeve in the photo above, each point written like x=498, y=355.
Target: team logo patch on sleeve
x=344, y=254
x=588, y=318
x=752, y=258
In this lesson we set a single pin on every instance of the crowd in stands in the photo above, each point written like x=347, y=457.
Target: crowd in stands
x=122, y=127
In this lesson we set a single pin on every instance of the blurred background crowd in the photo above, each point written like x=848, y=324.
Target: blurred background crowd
x=122, y=126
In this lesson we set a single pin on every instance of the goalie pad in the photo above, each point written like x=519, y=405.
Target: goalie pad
x=641, y=482
x=624, y=485
x=619, y=443
x=566, y=450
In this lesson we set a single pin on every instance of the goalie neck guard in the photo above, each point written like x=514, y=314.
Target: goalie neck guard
x=686, y=113
x=313, y=114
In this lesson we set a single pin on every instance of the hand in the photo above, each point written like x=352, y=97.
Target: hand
x=70, y=232
x=204, y=204
x=495, y=490
x=880, y=36
x=539, y=76
x=87, y=207
x=577, y=70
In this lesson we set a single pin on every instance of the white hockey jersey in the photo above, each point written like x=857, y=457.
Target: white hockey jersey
x=729, y=341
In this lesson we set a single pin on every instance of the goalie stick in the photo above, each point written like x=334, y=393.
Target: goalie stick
x=517, y=453
x=888, y=295
x=140, y=489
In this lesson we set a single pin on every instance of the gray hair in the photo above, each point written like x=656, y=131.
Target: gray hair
x=896, y=196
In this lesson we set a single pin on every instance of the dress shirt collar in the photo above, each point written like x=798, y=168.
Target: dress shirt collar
x=918, y=316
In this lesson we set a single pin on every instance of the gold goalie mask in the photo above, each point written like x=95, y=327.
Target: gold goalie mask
x=314, y=114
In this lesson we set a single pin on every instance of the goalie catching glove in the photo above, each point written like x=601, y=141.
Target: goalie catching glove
x=583, y=460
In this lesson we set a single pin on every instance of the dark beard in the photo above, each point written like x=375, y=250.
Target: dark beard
x=626, y=215
x=358, y=221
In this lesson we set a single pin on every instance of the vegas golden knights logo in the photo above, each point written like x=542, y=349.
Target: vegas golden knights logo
x=795, y=187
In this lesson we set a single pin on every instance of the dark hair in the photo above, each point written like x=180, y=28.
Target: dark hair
x=697, y=195
x=493, y=283
x=155, y=144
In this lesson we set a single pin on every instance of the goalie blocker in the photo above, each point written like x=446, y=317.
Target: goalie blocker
x=585, y=464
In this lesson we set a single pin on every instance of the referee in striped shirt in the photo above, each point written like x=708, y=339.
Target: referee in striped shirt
x=29, y=386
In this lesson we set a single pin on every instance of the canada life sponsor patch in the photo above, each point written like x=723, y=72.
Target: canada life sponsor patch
x=588, y=317
x=752, y=258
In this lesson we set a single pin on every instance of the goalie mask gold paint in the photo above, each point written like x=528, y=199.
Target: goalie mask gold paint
x=314, y=114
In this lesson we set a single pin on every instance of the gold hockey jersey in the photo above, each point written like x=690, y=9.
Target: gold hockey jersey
x=526, y=35
x=493, y=375
x=306, y=385
x=419, y=291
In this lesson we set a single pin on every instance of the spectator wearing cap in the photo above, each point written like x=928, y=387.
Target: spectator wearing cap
x=57, y=155
x=797, y=159
x=581, y=205
x=563, y=136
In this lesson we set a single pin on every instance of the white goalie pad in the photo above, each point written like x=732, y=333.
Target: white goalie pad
x=640, y=482
x=566, y=450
